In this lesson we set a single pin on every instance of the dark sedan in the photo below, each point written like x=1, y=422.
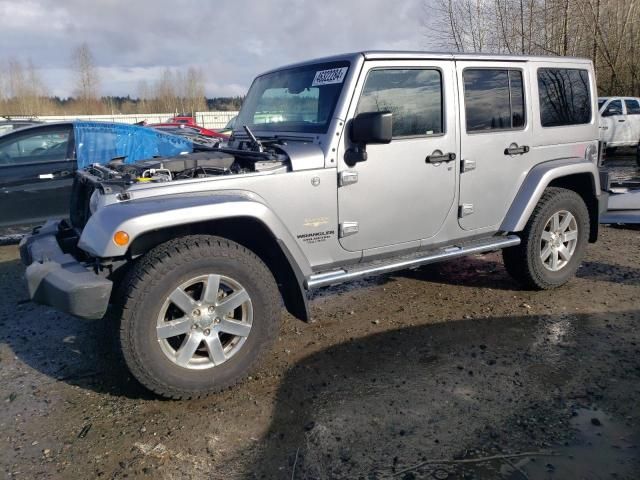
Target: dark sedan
x=36, y=173
x=37, y=164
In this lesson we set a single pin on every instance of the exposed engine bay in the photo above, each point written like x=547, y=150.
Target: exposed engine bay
x=117, y=175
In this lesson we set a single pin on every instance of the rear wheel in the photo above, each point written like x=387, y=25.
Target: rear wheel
x=198, y=314
x=553, y=242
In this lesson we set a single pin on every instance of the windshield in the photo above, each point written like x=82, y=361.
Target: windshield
x=295, y=100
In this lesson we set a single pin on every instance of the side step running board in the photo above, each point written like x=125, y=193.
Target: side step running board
x=620, y=216
x=423, y=258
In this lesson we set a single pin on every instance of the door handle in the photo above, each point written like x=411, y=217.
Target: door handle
x=621, y=120
x=51, y=176
x=514, y=149
x=438, y=157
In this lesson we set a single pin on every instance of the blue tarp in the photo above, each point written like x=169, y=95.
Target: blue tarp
x=101, y=142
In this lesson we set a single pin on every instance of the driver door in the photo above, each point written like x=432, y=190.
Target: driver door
x=398, y=196
x=36, y=174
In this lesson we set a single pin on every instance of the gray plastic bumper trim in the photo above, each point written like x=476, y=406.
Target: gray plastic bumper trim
x=57, y=279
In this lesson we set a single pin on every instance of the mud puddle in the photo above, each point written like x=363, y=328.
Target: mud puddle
x=610, y=445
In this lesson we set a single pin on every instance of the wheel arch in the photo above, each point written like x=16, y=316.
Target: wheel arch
x=584, y=185
x=573, y=174
x=251, y=233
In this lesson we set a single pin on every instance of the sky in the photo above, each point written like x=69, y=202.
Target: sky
x=232, y=40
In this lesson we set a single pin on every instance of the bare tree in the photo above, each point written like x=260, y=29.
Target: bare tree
x=87, y=81
x=193, y=90
x=166, y=92
x=24, y=90
x=144, y=96
x=607, y=31
x=17, y=86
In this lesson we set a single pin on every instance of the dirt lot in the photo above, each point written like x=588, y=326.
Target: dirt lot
x=441, y=367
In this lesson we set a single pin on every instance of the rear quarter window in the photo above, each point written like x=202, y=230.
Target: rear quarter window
x=565, y=97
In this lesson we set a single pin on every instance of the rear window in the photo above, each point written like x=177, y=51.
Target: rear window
x=494, y=99
x=565, y=98
x=633, y=107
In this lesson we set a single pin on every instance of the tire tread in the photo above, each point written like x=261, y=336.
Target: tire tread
x=147, y=273
x=520, y=261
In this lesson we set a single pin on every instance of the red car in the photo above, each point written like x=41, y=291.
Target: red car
x=196, y=129
x=184, y=119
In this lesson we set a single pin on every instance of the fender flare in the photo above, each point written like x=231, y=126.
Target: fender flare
x=139, y=217
x=537, y=180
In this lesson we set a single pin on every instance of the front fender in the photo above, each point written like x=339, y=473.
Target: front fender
x=137, y=217
x=535, y=183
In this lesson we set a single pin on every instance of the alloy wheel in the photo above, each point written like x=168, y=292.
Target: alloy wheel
x=204, y=321
x=559, y=240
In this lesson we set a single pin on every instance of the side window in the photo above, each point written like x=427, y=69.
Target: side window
x=614, y=108
x=565, y=98
x=494, y=99
x=413, y=96
x=30, y=147
x=633, y=107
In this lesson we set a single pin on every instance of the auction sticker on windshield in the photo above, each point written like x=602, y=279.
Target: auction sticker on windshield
x=327, y=77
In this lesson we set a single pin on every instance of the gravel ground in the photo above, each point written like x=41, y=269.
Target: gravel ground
x=450, y=371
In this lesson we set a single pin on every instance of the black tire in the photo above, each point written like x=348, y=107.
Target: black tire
x=523, y=262
x=638, y=155
x=148, y=285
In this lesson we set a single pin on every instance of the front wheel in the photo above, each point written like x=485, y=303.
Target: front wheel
x=198, y=314
x=553, y=242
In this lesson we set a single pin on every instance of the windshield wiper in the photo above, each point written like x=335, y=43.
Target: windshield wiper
x=256, y=143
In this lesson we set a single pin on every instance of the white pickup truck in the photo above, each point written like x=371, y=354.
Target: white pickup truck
x=619, y=121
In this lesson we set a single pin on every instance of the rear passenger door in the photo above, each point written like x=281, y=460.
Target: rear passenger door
x=633, y=118
x=496, y=136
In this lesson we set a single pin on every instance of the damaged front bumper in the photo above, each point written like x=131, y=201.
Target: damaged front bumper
x=58, y=279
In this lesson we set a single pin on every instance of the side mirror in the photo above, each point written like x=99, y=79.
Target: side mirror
x=368, y=128
x=371, y=127
x=610, y=112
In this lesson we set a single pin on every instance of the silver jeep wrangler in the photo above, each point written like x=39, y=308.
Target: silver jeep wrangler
x=337, y=169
